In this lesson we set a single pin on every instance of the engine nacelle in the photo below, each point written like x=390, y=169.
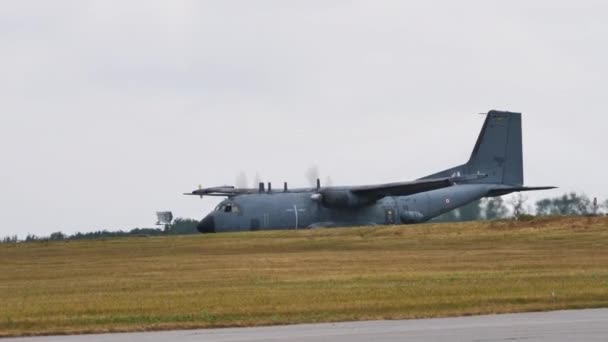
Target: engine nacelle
x=340, y=199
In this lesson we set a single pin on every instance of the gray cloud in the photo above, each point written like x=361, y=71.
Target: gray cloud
x=110, y=110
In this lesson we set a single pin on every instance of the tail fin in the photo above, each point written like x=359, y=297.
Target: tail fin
x=497, y=152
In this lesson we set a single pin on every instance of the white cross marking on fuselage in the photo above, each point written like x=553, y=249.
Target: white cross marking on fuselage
x=295, y=210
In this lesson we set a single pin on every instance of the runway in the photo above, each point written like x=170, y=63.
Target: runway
x=556, y=326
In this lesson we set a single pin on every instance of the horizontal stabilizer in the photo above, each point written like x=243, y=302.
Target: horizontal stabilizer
x=508, y=190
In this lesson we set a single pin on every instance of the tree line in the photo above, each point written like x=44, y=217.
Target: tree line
x=517, y=206
x=180, y=226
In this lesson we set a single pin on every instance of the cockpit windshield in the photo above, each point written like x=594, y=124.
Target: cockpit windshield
x=228, y=207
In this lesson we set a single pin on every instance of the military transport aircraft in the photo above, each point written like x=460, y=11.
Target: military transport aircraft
x=495, y=168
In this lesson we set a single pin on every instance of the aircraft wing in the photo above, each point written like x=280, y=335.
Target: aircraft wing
x=375, y=192
x=220, y=191
x=369, y=192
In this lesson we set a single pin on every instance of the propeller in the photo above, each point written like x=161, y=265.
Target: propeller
x=312, y=175
x=317, y=197
x=241, y=180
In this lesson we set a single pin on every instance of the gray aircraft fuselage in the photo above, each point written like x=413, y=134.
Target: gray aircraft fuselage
x=277, y=210
x=495, y=168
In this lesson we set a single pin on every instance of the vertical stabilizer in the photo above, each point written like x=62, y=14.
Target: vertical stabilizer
x=498, y=151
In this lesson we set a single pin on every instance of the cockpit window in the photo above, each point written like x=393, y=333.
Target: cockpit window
x=228, y=207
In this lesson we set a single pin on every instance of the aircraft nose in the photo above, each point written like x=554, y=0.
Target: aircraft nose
x=207, y=225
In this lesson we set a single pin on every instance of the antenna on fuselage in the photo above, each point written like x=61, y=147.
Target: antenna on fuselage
x=318, y=184
x=284, y=186
x=269, y=187
x=261, y=188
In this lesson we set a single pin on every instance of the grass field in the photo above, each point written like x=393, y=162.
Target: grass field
x=319, y=275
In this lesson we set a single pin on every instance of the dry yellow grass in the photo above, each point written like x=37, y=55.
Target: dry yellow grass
x=283, y=277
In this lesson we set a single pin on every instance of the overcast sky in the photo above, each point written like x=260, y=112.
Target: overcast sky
x=110, y=110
